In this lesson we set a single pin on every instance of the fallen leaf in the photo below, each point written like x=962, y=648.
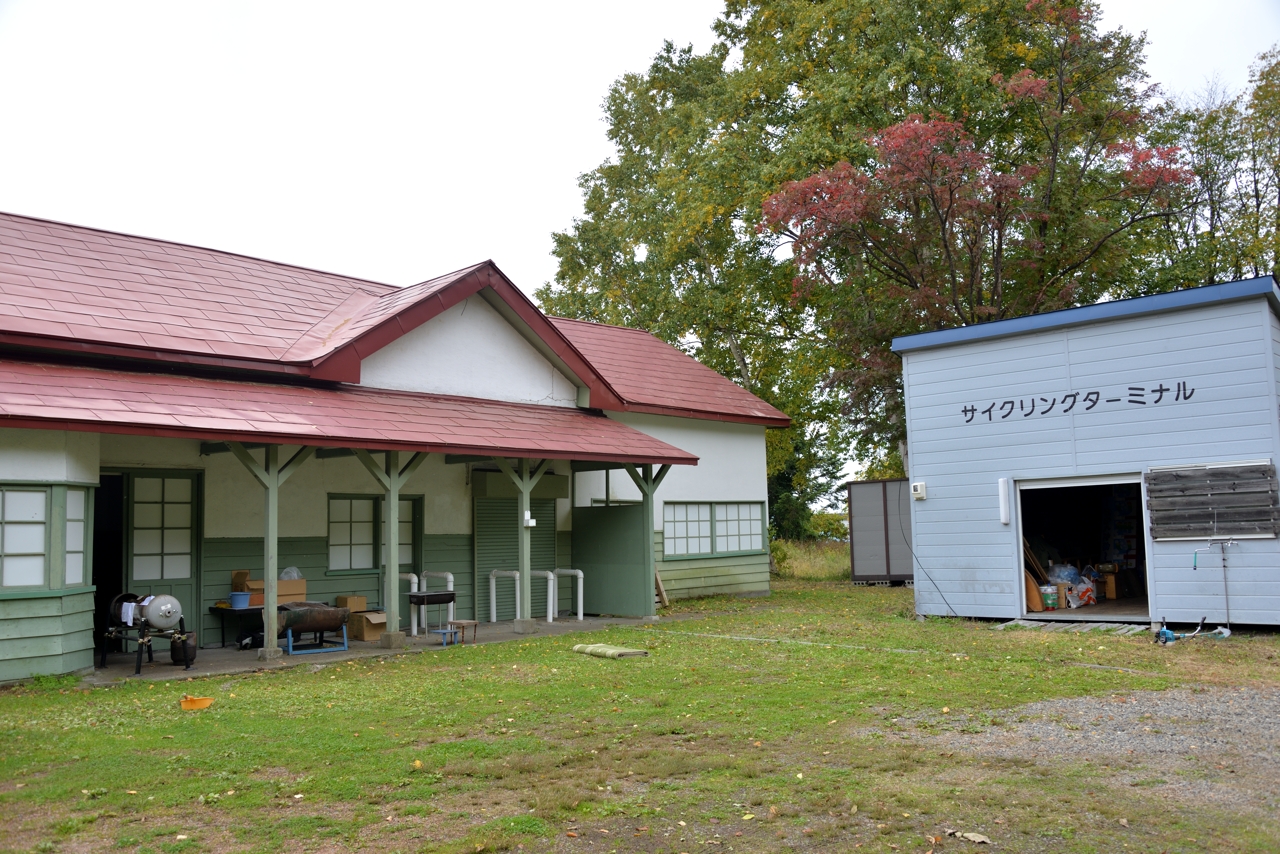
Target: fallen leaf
x=681, y=823
x=602, y=830
x=297, y=797
x=571, y=835
x=829, y=723
x=166, y=736
x=759, y=744
x=180, y=837
x=976, y=837
x=748, y=816
x=906, y=815
x=644, y=829
x=417, y=763
x=799, y=776
x=1124, y=822
x=945, y=710
x=129, y=792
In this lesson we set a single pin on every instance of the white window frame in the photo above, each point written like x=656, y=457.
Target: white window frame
x=717, y=528
x=19, y=523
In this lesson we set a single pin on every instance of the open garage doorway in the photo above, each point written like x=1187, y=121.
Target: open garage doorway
x=1097, y=530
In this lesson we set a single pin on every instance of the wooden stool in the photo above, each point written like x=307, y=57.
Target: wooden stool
x=463, y=624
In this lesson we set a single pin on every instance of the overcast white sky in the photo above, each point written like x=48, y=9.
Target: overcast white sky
x=390, y=141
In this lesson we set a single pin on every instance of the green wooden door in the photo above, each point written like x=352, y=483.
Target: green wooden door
x=609, y=548
x=163, y=537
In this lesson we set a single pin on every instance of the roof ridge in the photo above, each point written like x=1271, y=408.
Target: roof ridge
x=609, y=326
x=360, y=279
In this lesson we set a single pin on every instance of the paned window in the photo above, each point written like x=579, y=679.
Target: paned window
x=22, y=536
x=351, y=533
x=162, y=520
x=707, y=529
x=75, y=535
x=686, y=529
x=739, y=527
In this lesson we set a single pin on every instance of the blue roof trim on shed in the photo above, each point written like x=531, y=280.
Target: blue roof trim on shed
x=1096, y=313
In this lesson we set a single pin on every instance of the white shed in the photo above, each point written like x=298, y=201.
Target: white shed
x=1142, y=433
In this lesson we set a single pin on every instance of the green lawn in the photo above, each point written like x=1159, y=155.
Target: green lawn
x=820, y=737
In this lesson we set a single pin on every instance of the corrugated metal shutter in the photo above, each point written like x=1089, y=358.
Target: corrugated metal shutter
x=1213, y=501
x=496, y=547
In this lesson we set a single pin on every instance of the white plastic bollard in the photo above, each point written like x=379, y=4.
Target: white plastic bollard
x=578, y=573
x=493, y=592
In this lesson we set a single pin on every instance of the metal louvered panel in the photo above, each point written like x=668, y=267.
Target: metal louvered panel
x=1213, y=501
x=496, y=547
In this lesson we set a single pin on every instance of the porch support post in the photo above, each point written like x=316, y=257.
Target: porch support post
x=391, y=477
x=647, y=482
x=271, y=476
x=525, y=482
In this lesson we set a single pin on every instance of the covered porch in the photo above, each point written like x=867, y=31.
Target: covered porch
x=197, y=478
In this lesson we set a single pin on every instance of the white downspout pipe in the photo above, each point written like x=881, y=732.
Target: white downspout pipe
x=514, y=575
x=448, y=585
x=578, y=573
x=413, y=612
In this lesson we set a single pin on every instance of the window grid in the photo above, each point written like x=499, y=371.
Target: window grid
x=739, y=528
x=351, y=533
x=23, y=515
x=76, y=503
x=162, y=520
x=687, y=528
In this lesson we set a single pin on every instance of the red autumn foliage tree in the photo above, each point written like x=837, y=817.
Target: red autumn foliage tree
x=953, y=221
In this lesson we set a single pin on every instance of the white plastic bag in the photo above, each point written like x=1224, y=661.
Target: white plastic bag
x=290, y=573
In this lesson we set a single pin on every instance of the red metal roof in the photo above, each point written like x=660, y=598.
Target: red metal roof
x=90, y=291
x=75, y=397
x=652, y=376
x=70, y=282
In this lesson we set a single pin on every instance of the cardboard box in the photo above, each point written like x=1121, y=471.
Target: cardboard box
x=1109, y=586
x=366, y=625
x=286, y=591
x=240, y=581
x=353, y=603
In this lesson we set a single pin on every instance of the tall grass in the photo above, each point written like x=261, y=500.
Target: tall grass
x=812, y=560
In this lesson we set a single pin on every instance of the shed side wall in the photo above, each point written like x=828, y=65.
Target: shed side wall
x=1227, y=354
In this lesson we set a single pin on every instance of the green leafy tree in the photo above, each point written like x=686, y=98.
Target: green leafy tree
x=1059, y=189
x=1228, y=229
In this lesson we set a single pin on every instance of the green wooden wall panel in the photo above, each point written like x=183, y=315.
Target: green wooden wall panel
x=496, y=531
x=31, y=627
x=19, y=609
x=608, y=546
x=30, y=646
x=222, y=556
x=451, y=553
x=712, y=576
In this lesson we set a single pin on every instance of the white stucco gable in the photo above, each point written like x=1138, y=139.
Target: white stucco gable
x=473, y=351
